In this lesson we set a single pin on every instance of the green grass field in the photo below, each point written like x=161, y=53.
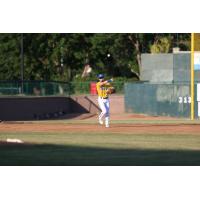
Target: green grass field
x=104, y=149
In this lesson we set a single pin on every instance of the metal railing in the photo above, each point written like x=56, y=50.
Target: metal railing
x=34, y=88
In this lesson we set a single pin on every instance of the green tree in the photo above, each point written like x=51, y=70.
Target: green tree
x=121, y=54
x=9, y=56
x=162, y=45
x=63, y=56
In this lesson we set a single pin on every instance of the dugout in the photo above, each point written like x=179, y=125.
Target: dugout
x=13, y=108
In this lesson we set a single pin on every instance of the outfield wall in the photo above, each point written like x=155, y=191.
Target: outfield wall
x=159, y=99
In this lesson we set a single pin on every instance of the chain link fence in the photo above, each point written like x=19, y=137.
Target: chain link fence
x=51, y=88
x=34, y=88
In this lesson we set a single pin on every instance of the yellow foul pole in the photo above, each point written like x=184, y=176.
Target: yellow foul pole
x=192, y=76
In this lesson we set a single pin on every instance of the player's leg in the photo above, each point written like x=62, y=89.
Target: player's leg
x=103, y=110
x=107, y=114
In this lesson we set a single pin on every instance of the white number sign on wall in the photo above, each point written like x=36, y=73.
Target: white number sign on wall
x=184, y=100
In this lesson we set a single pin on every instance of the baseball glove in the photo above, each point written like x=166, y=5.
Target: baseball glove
x=111, y=90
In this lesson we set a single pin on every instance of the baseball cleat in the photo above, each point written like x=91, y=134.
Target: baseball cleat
x=100, y=122
x=107, y=126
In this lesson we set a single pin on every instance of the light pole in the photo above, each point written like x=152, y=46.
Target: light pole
x=22, y=63
x=192, y=78
x=177, y=42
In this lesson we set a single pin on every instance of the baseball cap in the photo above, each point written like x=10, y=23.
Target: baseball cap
x=100, y=76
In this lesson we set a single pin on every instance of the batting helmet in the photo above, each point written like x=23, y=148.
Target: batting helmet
x=100, y=76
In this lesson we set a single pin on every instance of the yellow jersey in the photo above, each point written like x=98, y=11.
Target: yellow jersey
x=102, y=90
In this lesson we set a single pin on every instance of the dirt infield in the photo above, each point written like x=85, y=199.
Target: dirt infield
x=117, y=127
x=131, y=140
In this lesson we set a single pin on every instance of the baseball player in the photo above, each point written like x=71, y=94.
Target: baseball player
x=103, y=98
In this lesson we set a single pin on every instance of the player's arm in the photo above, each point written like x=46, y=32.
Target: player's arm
x=106, y=82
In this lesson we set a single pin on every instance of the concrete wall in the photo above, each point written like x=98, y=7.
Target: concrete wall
x=167, y=68
x=88, y=103
x=116, y=103
x=181, y=68
x=26, y=108
x=43, y=108
x=157, y=67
